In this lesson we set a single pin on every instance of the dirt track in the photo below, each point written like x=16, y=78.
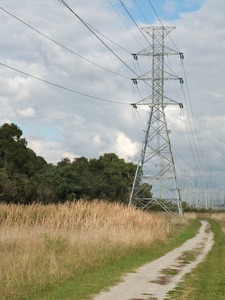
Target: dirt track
x=154, y=280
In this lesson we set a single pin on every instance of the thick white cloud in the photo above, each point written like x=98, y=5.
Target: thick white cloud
x=124, y=147
x=50, y=149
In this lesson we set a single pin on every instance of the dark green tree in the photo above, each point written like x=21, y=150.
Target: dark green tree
x=19, y=167
x=67, y=183
x=11, y=144
x=15, y=157
x=26, y=177
x=111, y=178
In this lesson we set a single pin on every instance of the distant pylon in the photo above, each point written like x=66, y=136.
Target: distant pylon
x=155, y=180
x=188, y=189
x=201, y=199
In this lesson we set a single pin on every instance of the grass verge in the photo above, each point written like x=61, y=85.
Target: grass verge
x=207, y=281
x=109, y=274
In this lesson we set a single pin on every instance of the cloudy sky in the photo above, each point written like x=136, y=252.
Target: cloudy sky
x=58, y=120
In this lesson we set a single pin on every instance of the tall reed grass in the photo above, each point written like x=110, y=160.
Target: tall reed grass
x=220, y=217
x=43, y=245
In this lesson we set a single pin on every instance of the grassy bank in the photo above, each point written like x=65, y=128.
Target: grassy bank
x=207, y=281
x=93, y=282
x=62, y=247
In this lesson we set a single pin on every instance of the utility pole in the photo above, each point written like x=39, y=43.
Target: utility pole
x=155, y=180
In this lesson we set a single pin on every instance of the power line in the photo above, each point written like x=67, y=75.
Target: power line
x=91, y=30
x=142, y=122
x=124, y=23
x=144, y=81
x=140, y=11
x=134, y=21
x=107, y=38
x=189, y=139
x=161, y=22
x=67, y=6
x=155, y=12
x=179, y=155
x=166, y=6
x=62, y=87
x=59, y=44
x=191, y=126
x=188, y=121
x=189, y=98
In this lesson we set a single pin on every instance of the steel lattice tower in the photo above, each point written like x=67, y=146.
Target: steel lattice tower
x=188, y=189
x=201, y=199
x=155, y=180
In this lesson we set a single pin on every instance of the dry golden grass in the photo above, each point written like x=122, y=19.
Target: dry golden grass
x=221, y=218
x=218, y=216
x=42, y=245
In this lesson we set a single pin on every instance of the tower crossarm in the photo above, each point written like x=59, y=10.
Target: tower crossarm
x=146, y=102
x=149, y=76
x=149, y=51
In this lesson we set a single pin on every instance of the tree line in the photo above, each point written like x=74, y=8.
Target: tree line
x=26, y=177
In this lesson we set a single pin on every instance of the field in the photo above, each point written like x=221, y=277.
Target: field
x=43, y=246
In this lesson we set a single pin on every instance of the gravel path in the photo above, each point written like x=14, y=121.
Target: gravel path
x=154, y=280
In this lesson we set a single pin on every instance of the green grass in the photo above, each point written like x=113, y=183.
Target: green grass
x=207, y=281
x=94, y=281
x=170, y=271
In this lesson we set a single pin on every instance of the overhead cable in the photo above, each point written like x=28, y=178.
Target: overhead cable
x=125, y=23
x=155, y=13
x=134, y=21
x=189, y=140
x=62, y=87
x=161, y=22
x=108, y=38
x=59, y=44
x=92, y=31
x=89, y=28
x=189, y=98
x=140, y=11
x=191, y=132
x=66, y=5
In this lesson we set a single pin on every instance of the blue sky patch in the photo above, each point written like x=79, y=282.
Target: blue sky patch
x=146, y=11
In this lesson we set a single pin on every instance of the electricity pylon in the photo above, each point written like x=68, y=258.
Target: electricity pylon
x=188, y=189
x=201, y=201
x=155, y=180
